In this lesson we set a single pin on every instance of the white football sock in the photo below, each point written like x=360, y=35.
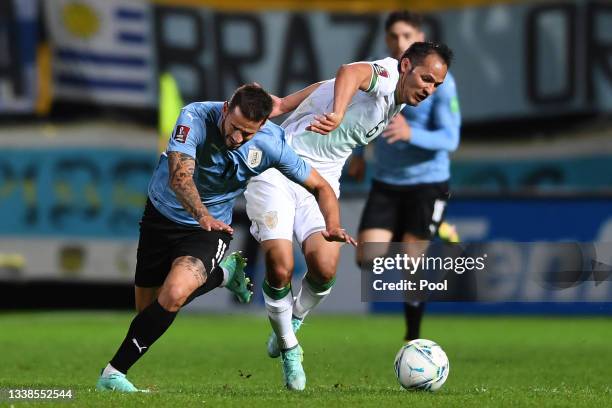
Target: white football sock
x=225, y=277
x=109, y=369
x=307, y=299
x=279, y=313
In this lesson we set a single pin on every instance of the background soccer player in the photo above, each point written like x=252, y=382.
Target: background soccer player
x=364, y=97
x=215, y=149
x=412, y=167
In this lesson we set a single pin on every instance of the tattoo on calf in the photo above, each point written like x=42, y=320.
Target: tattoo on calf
x=194, y=266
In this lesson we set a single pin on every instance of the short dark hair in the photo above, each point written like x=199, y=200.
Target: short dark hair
x=408, y=17
x=254, y=103
x=418, y=51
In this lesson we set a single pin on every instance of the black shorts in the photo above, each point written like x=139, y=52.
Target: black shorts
x=417, y=209
x=162, y=241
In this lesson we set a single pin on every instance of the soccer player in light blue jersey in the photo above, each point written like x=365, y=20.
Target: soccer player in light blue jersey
x=412, y=166
x=185, y=230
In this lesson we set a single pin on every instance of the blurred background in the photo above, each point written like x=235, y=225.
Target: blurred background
x=90, y=89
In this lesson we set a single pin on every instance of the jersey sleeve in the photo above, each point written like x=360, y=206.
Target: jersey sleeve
x=188, y=133
x=446, y=120
x=384, y=77
x=291, y=165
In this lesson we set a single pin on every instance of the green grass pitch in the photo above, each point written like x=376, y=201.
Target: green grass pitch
x=221, y=361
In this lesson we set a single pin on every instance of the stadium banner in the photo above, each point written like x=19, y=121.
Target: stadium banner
x=512, y=60
x=530, y=218
x=545, y=58
x=71, y=213
x=103, y=51
x=577, y=174
x=73, y=192
x=18, y=41
x=517, y=173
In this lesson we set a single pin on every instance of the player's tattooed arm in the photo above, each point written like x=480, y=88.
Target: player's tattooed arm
x=181, y=168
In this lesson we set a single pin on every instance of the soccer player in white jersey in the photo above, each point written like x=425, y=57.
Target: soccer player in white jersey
x=350, y=110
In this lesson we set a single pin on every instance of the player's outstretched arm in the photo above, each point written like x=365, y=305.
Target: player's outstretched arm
x=328, y=203
x=290, y=102
x=349, y=79
x=181, y=167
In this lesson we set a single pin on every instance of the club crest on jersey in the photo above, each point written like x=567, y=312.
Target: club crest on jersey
x=254, y=157
x=181, y=132
x=380, y=71
x=271, y=219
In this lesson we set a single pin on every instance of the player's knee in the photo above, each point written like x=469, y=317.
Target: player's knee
x=323, y=275
x=279, y=271
x=279, y=276
x=189, y=263
x=327, y=275
x=322, y=269
x=173, y=297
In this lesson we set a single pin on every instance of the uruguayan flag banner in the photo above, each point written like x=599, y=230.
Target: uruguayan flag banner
x=18, y=69
x=103, y=51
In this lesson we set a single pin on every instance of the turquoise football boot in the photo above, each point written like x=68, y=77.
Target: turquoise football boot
x=116, y=382
x=237, y=283
x=295, y=377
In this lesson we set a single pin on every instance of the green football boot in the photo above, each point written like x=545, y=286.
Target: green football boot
x=295, y=377
x=237, y=283
x=273, y=349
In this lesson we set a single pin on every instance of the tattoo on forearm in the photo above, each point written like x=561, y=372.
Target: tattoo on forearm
x=181, y=168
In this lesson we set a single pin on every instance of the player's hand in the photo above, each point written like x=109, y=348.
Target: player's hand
x=209, y=223
x=277, y=104
x=338, y=235
x=356, y=168
x=325, y=123
x=398, y=129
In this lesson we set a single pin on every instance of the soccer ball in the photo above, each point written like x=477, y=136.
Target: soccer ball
x=421, y=365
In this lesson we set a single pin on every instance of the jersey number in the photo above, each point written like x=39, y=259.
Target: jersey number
x=374, y=131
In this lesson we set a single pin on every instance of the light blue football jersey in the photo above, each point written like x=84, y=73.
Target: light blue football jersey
x=221, y=174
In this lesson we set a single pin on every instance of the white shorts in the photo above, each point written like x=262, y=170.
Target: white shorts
x=279, y=208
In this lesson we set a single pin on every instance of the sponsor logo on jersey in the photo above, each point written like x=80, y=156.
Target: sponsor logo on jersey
x=380, y=71
x=181, y=132
x=254, y=157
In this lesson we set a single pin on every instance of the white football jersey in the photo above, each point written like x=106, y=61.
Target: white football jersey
x=366, y=117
